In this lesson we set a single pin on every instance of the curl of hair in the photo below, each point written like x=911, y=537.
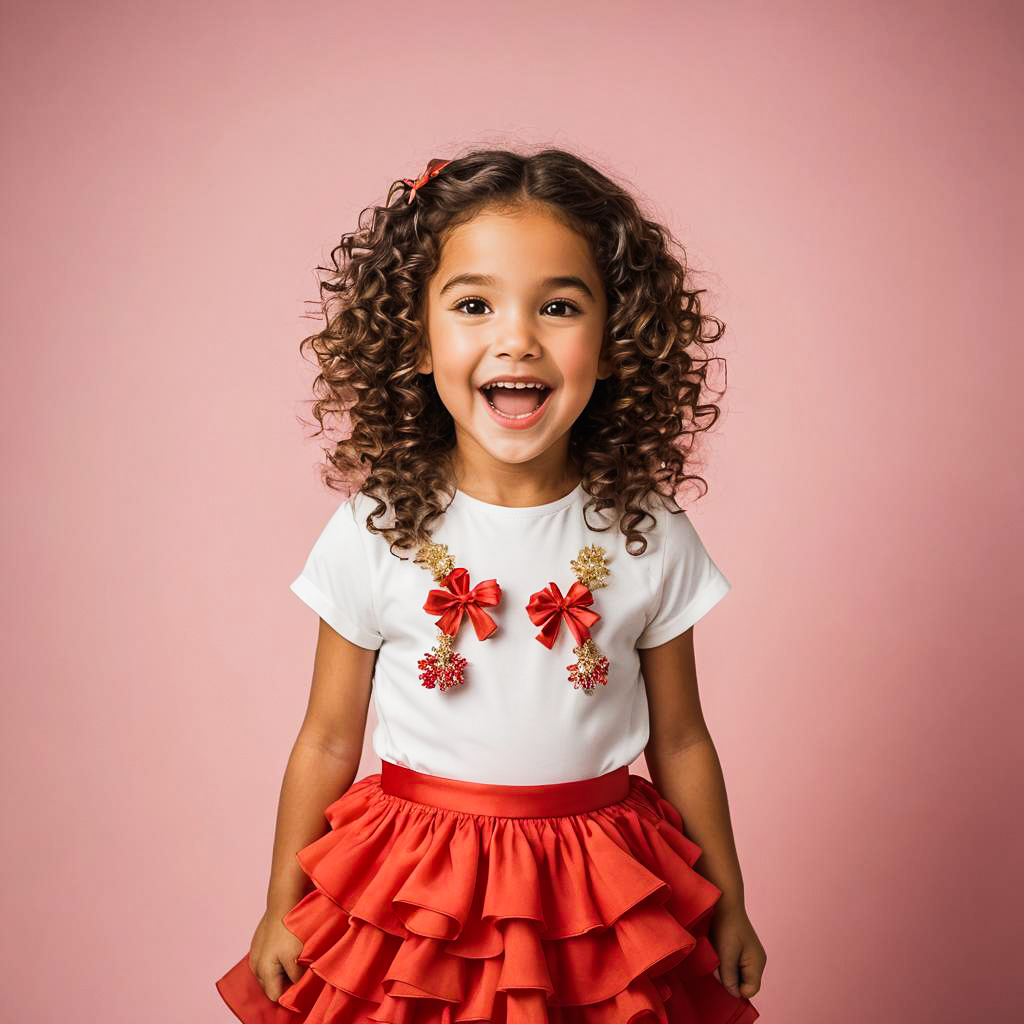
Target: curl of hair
x=633, y=440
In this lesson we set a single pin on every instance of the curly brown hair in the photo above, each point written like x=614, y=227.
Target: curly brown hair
x=636, y=434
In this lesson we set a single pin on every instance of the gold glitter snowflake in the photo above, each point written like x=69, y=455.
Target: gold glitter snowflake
x=590, y=566
x=435, y=557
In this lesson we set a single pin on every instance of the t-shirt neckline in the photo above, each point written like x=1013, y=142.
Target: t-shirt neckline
x=467, y=501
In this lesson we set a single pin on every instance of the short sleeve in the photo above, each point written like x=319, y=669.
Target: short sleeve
x=336, y=581
x=690, y=584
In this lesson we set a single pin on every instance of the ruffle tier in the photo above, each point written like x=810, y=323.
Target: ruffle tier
x=425, y=915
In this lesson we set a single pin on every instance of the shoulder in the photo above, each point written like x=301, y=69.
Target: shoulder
x=363, y=511
x=673, y=525
x=667, y=528
x=339, y=538
x=345, y=534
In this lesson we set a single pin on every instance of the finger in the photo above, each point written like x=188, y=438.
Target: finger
x=273, y=982
x=729, y=974
x=292, y=968
x=751, y=982
x=751, y=969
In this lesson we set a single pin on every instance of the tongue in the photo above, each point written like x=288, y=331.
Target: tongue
x=515, y=402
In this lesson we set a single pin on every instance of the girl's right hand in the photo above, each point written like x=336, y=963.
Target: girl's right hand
x=272, y=956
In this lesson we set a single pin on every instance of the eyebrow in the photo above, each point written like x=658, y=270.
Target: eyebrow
x=486, y=280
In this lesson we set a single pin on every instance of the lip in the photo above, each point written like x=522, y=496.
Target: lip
x=522, y=423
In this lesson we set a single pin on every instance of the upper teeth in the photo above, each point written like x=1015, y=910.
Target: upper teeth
x=510, y=384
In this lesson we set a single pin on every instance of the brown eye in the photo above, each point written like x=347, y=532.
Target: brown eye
x=562, y=302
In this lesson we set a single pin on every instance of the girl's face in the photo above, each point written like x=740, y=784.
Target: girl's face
x=516, y=295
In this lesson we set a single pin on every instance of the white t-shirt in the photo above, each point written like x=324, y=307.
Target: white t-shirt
x=517, y=719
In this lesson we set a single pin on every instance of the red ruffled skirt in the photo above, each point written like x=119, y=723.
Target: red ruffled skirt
x=439, y=901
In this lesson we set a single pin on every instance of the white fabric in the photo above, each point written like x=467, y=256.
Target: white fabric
x=517, y=719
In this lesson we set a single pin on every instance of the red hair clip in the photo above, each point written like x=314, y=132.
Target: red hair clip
x=434, y=168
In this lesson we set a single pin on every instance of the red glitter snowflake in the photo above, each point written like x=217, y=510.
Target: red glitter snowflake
x=443, y=667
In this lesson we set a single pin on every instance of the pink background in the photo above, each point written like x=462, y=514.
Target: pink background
x=848, y=179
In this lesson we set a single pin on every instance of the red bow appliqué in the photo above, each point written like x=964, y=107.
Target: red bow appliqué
x=547, y=608
x=433, y=168
x=458, y=598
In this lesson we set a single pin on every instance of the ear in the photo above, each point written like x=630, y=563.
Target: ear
x=604, y=362
x=425, y=364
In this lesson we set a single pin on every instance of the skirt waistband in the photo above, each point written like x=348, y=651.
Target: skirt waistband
x=548, y=800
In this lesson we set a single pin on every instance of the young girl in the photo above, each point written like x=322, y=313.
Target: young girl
x=523, y=370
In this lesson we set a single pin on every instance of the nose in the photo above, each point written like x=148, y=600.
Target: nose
x=517, y=338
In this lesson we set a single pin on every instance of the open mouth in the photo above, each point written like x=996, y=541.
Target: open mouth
x=515, y=403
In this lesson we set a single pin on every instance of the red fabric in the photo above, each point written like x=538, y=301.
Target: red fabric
x=548, y=607
x=459, y=598
x=438, y=901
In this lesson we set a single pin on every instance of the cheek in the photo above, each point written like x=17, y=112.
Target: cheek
x=578, y=364
x=453, y=377
x=452, y=357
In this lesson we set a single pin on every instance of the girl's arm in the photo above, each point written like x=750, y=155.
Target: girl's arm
x=324, y=759
x=685, y=769
x=683, y=762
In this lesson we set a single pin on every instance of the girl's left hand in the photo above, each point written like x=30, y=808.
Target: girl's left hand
x=741, y=956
